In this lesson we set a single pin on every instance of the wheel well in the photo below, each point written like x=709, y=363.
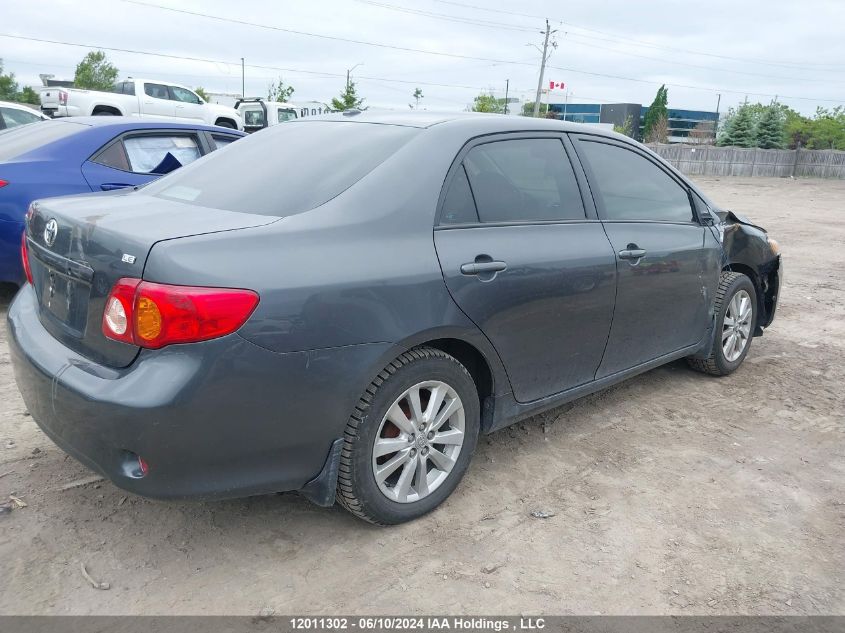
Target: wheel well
x=755, y=279
x=223, y=120
x=106, y=109
x=475, y=363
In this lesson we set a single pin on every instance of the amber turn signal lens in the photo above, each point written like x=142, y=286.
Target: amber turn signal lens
x=147, y=319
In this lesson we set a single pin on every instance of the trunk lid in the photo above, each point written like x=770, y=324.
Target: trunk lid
x=80, y=246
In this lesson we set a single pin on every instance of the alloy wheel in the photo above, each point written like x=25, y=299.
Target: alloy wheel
x=418, y=441
x=736, y=326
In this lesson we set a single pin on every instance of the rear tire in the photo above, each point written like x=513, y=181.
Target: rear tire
x=736, y=315
x=391, y=473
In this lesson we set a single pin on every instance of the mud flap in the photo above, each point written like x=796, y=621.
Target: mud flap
x=321, y=490
x=707, y=343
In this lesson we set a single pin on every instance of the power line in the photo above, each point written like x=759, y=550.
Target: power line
x=786, y=64
x=422, y=83
x=507, y=27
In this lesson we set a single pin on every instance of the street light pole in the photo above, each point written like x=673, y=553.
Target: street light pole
x=507, y=86
x=349, y=74
x=243, y=78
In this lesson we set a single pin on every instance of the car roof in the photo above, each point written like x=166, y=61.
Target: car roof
x=20, y=106
x=471, y=122
x=125, y=123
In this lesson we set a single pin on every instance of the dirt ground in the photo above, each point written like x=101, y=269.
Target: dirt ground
x=673, y=493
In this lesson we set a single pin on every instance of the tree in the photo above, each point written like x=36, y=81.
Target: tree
x=348, y=100
x=627, y=128
x=739, y=128
x=202, y=93
x=656, y=111
x=418, y=94
x=528, y=108
x=703, y=133
x=659, y=132
x=769, y=132
x=486, y=102
x=279, y=91
x=95, y=72
x=28, y=95
x=8, y=85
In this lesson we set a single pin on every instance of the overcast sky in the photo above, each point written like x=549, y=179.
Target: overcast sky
x=607, y=51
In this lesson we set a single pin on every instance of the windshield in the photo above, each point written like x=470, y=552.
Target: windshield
x=25, y=138
x=285, y=169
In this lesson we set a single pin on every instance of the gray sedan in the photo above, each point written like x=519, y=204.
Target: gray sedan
x=340, y=306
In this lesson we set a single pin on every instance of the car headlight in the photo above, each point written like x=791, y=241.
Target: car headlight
x=774, y=246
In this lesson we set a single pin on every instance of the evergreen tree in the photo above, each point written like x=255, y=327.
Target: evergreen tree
x=770, y=129
x=348, y=100
x=739, y=130
x=656, y=111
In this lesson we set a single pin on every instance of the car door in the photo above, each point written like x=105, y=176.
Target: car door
x=188, y=105
x=157, y=102
x=664, y=269
x=527, y=261
x=136, y=158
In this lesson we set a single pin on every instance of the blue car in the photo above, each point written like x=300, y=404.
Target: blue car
x=85, y=154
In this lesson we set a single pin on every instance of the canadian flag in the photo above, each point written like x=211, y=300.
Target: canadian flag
x=555, y=84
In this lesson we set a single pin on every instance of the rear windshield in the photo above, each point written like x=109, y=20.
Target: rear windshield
x=285, y=169
x=25, y=138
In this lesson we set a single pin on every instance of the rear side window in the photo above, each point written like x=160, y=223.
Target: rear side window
x=633, y=188
x=13, y=117
x=253, y=118
x=222, y=140
x=114, y=156
x=312, y=162
x=124, y=88
x=160, y=153
x=523, y=180
x=25, y=138
x=156, y=91
x=458, y=205
x=285, y=115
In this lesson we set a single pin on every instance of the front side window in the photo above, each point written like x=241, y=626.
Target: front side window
x=160, y=153
x=156, y=91
x=183, y=95
x=523, y=180
x=632, y=188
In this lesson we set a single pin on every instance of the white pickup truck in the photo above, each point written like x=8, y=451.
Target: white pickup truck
x=258, y=113
x=139, y=98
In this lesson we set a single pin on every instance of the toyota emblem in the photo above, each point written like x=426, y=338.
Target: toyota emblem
x=50, y=232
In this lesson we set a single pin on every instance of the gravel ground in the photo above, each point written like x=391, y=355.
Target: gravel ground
x=672, y=493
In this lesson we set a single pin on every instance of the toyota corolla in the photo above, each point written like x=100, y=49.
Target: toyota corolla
x=342, y=306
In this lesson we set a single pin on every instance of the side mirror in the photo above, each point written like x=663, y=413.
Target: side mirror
x=707, y=219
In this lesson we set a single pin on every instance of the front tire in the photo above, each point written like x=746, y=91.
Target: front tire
x=410, y=439
x=736, y=315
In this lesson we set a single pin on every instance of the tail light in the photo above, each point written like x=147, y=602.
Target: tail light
x=3, y=183
x=62, y=97
x=154, y=315
x=25, y=258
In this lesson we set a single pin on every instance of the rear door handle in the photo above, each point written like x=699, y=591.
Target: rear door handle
x=632, y=253
x=478, y=268
x=111, y=186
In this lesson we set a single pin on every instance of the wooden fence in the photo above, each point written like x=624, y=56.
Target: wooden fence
x=708, y=160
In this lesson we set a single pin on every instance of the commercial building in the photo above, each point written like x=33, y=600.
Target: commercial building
x=681, y=122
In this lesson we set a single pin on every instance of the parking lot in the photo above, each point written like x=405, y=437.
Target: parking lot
x=671, y=493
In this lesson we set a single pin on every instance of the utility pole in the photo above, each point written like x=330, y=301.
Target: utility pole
x=243, y=78
x=507, y=86
x=716, y=123
x=542, y=69
x=349, y=74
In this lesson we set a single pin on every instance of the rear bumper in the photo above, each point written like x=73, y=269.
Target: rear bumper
x=224, y=418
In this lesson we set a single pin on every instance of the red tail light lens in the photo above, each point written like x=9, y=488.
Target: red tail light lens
x=154, y=315
x=3, y=183
x=25, y=258
x=62, y=97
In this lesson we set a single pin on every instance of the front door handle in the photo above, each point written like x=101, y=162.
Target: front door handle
x=111, y=186
x=481, y=267
x=632, y=253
